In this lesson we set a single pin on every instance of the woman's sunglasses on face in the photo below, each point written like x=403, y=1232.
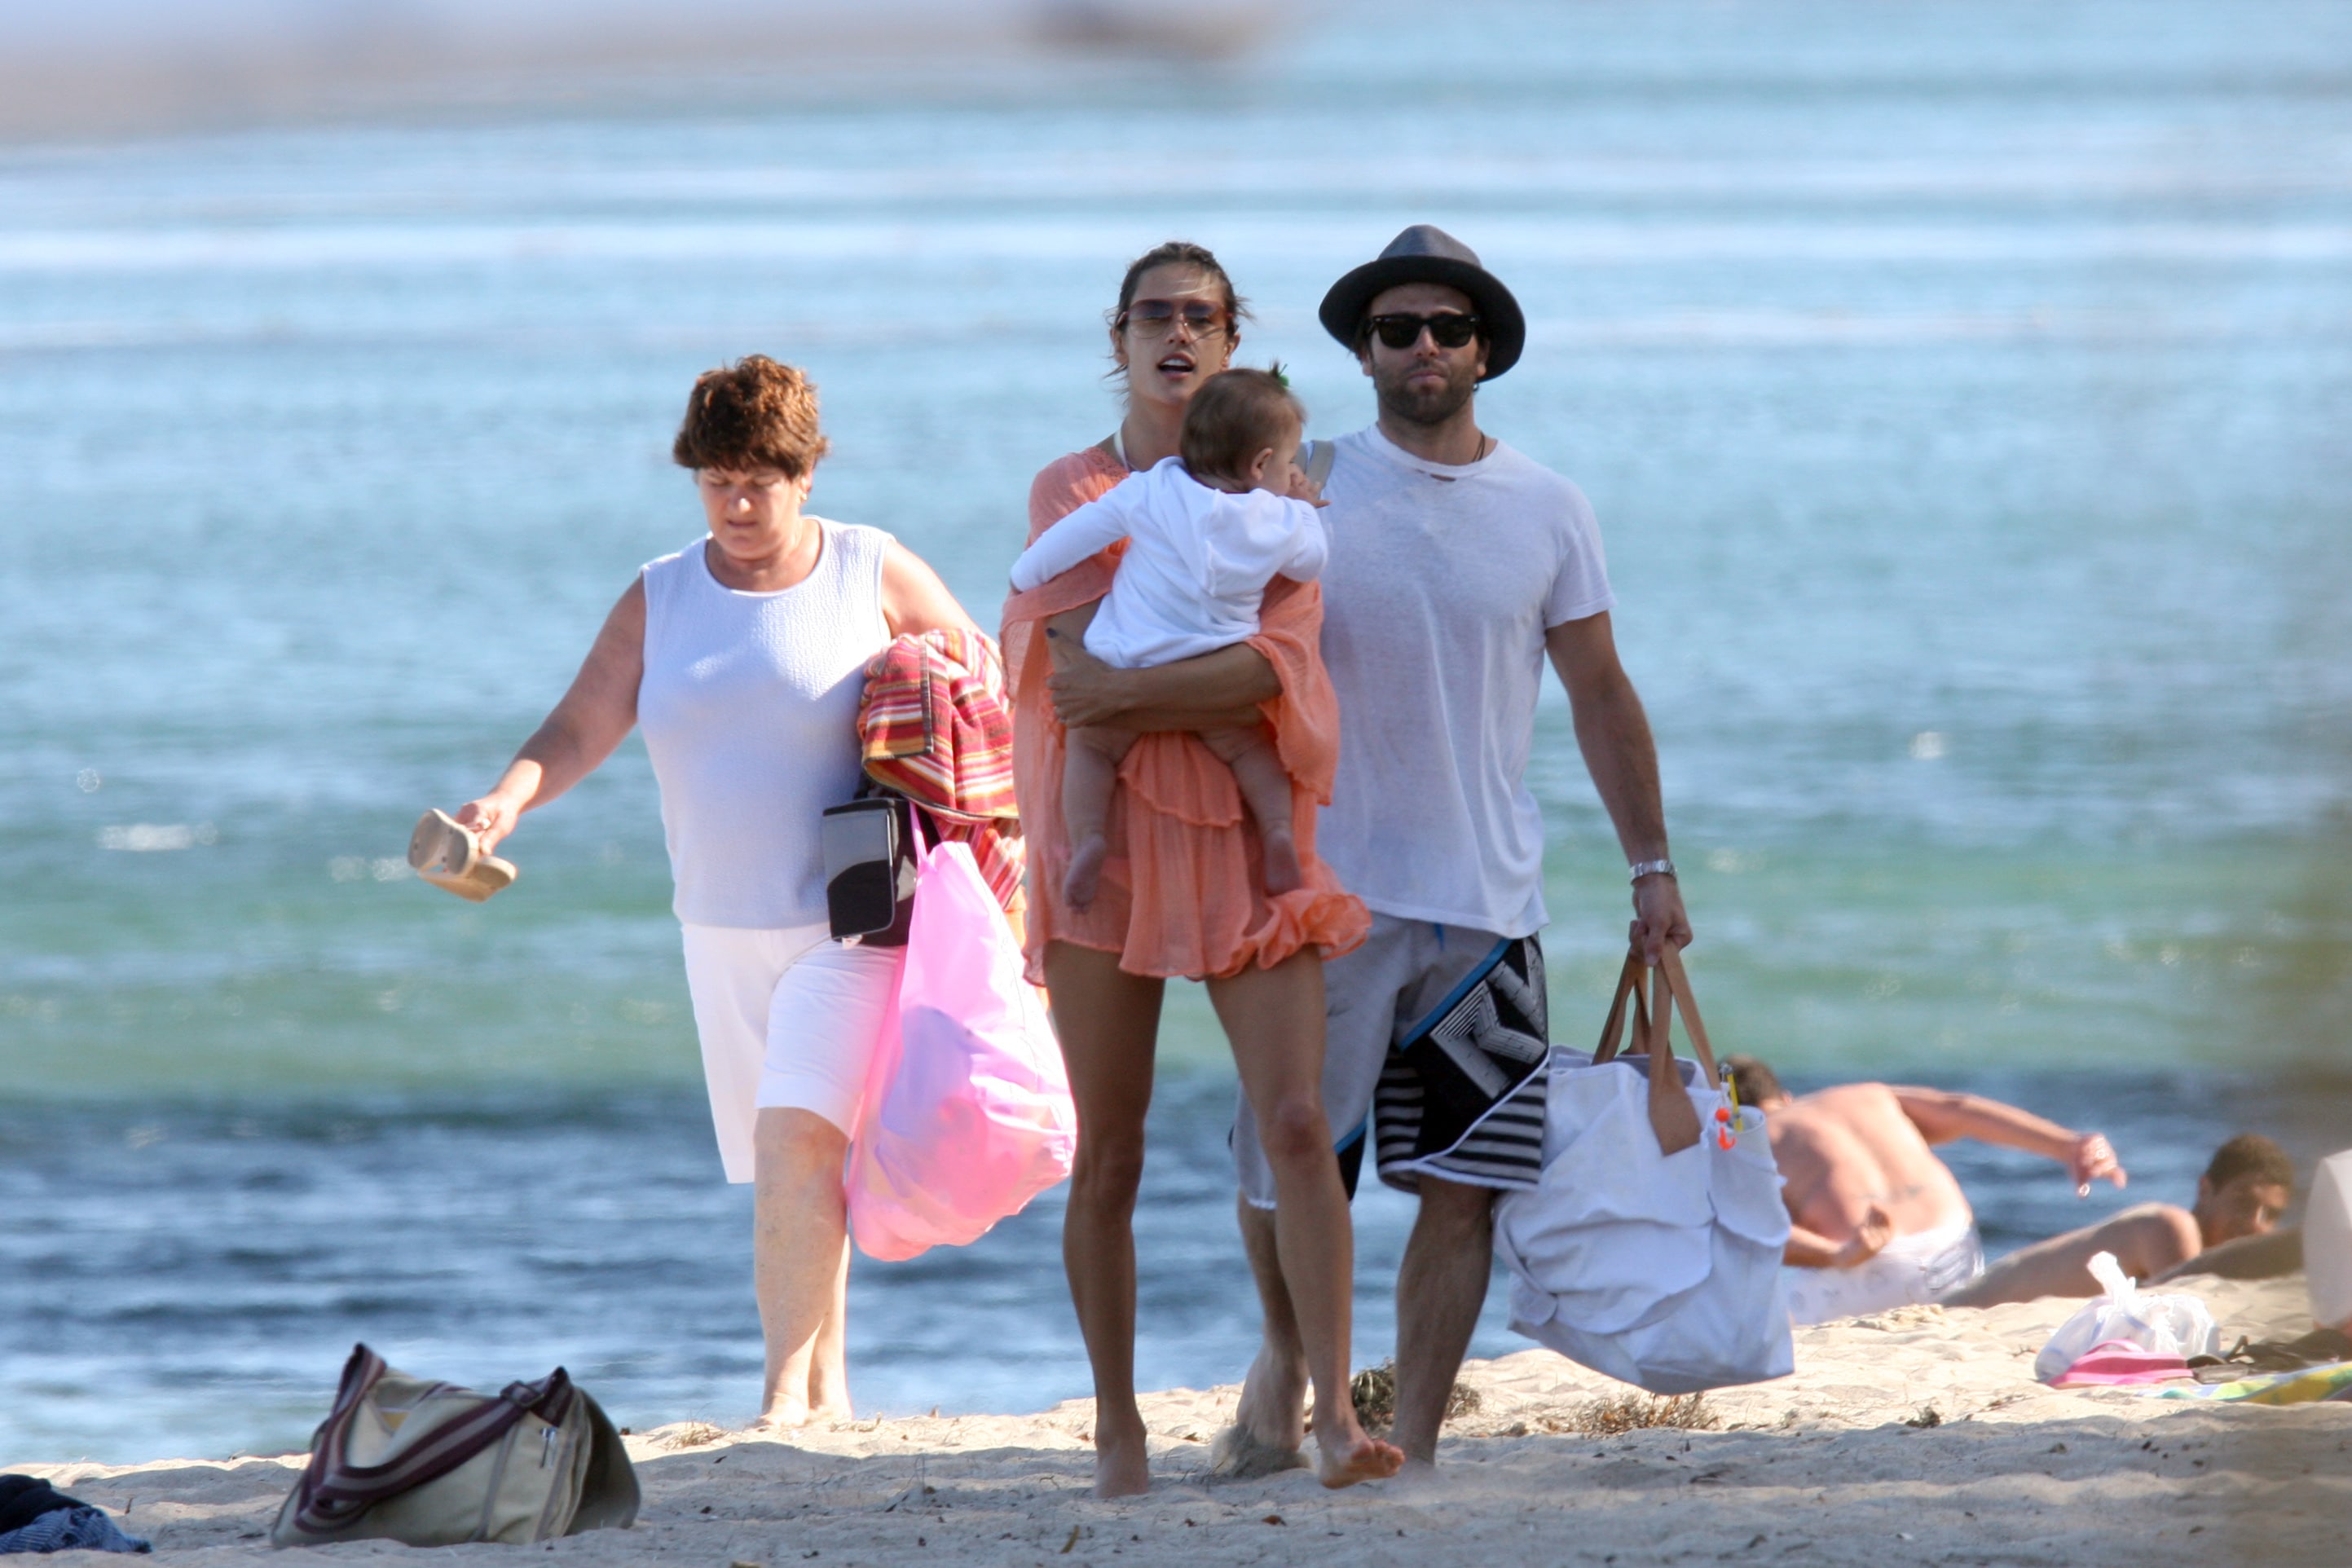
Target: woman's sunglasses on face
x=1450, y=330
x=1157, y=318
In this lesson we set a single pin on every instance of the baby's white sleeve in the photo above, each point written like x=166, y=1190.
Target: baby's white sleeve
x=1310, y=546
x=1086, y=532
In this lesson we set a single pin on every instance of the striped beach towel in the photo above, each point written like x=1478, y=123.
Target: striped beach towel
x=935, y=727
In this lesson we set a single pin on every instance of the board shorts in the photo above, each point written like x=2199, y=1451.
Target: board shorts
x=1434, y=1044
x=788, y=1020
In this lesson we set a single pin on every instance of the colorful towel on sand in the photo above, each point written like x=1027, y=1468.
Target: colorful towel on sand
x=935, y=727
x=2307, y=1388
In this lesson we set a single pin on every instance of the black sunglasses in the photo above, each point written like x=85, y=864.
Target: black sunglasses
x=1450, y=330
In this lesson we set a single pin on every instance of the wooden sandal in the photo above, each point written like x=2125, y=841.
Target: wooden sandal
x=446, y=854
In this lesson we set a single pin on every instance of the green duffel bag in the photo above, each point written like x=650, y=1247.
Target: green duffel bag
x=431, y=1464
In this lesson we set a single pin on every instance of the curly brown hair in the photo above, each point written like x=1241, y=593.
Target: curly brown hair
x=753, y=414
x=2251, y=1153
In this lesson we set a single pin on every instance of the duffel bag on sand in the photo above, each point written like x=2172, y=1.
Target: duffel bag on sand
x=1650, y=1248
x=430, y=1464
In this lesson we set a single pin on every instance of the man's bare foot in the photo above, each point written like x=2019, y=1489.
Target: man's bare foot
x=1344, y=1461
x=1273, y=1408
x=1081, y=880
x=1236, y=1454
x=1122, y=1467
x=1280, y=851
x=787, y=1415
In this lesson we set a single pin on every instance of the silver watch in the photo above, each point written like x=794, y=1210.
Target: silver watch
x=1641, y=869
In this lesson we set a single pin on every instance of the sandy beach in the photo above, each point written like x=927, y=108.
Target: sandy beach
x=1917, y=1435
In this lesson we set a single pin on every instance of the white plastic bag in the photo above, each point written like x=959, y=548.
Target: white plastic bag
x=2172, y=1323
x=1650, y=1248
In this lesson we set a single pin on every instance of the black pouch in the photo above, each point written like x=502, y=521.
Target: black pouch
x=869, y=869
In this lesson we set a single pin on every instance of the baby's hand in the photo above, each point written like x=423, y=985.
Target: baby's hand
x=1305, y=489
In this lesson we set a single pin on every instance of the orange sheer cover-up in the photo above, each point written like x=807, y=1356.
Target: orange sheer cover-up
x=1181, y=893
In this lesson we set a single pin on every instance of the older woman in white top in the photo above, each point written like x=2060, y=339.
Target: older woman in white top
x=742, y=656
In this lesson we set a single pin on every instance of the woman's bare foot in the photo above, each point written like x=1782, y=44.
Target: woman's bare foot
x=1344, y=1461
x=1282, y=872
x=1085, y=875
x=1122, y=1467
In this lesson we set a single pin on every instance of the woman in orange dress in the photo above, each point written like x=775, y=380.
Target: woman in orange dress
x=1181, y=893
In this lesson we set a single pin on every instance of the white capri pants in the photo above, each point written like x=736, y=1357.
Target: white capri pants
x=788, y=1019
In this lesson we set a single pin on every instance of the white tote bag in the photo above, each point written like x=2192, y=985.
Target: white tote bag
x=1650, y=1247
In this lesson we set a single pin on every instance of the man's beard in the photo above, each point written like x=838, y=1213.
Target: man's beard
x=1430, y=407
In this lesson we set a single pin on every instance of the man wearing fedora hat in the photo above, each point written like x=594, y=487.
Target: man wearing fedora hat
x=1457, y=567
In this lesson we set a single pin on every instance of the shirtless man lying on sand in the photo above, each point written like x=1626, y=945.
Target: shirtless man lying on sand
x=2242, y=1193
x=1877, y=1220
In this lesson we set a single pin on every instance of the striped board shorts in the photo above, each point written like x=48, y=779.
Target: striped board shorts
x=1436, y=1039
x=1462, y=1094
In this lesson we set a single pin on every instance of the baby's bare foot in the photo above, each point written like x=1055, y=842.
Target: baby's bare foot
x=1080, y=882
x=1282, y=872
x=1341, y=1461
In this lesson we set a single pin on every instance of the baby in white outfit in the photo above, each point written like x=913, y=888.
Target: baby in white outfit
x=1207, y=531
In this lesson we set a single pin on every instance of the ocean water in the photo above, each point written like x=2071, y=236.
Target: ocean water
x=1962, y=390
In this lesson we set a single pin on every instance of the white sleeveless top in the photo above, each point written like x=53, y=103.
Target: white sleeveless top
x=748, y=707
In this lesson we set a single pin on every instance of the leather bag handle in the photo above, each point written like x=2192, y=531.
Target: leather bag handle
x=1673, y=1119
x=1677, y=981
x=1612, y=1032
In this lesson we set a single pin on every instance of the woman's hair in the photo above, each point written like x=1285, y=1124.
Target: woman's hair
x=753, y=414
x=1236, y=414
x=1178, y=253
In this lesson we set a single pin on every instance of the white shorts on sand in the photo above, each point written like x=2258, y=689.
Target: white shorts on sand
x=1910, y=1270
x=788, y=1019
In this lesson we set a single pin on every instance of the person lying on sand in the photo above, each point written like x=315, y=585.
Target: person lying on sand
x=1877, y=1220
x=2242, y=1193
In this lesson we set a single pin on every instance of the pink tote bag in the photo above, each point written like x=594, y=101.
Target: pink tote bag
x=966, y=1113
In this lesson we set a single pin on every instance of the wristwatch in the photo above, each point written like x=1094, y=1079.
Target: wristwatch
x=1641, y=869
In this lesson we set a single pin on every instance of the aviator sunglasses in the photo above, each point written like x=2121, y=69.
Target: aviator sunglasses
x=1156, y=318
x=1450, y=330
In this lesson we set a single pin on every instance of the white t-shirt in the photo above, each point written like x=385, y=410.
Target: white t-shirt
x=1441, y=583
x=1196, y=566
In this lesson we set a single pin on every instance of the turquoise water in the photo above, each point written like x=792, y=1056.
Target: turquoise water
x=1962, y=390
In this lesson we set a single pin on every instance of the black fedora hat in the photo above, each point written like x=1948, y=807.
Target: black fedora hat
x=1427, y=254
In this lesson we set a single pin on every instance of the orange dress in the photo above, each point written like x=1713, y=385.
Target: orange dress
x=1182, y=891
